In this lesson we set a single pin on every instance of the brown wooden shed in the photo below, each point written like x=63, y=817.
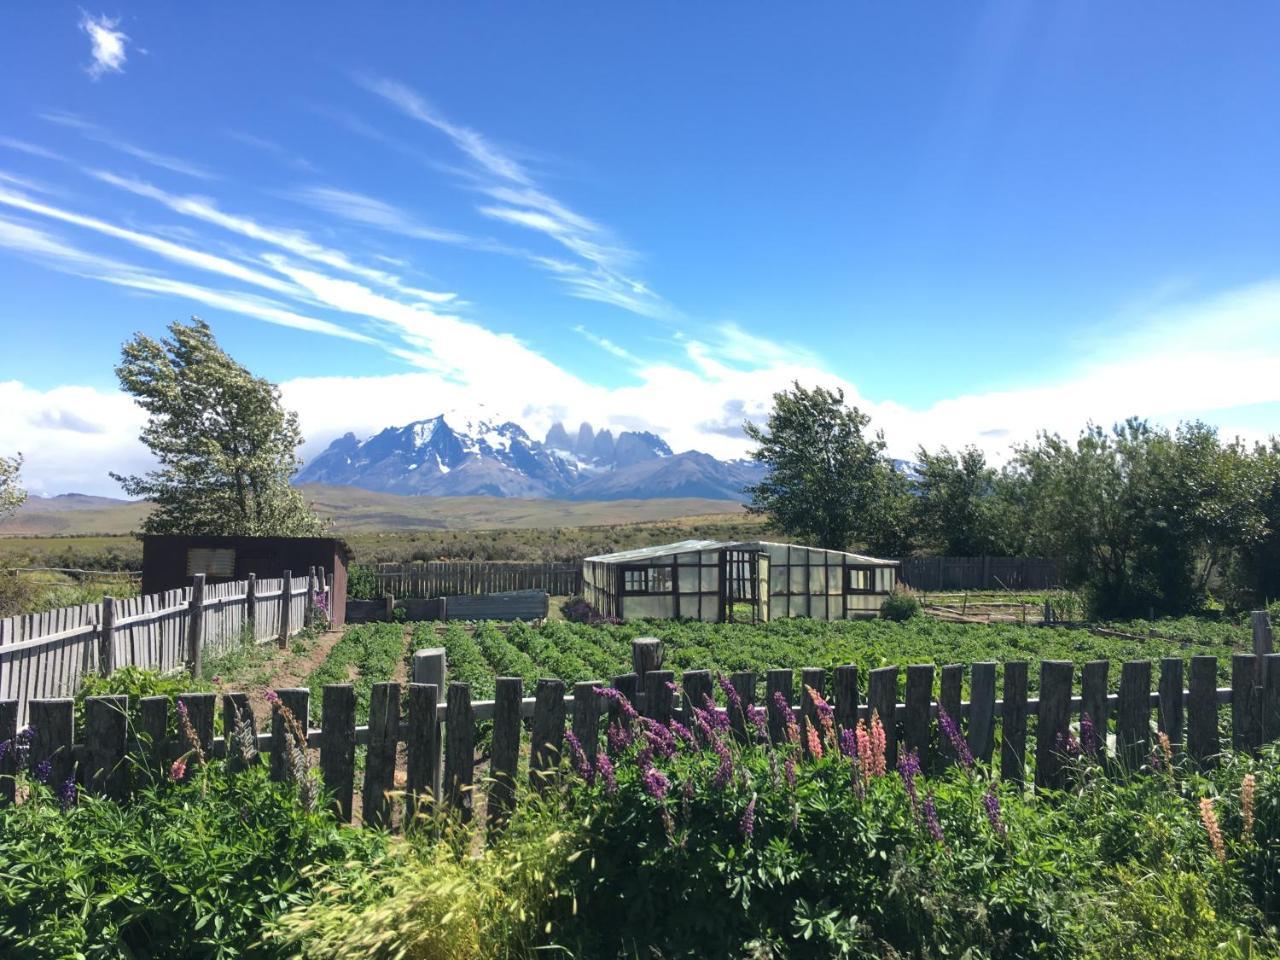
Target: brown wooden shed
x=170, y=560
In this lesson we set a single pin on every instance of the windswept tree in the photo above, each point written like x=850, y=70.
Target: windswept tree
x=12, y=496
x=957, y=508
x=828, y=482
x=226, y=447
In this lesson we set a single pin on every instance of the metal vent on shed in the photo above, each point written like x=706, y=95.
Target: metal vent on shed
x=211, y=561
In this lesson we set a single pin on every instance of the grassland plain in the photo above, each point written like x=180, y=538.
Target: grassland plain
x=572, y=651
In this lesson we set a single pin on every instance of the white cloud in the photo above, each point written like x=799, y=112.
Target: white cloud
x=91, y=131
x=370, y=211
x=107, y=44
x=31, y=149
x=605, y=344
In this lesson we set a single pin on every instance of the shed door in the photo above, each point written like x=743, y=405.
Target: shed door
x=741, y=586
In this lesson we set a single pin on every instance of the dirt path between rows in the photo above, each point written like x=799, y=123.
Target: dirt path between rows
x=289, y=667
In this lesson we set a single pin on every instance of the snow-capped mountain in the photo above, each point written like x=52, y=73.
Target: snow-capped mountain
x=453, y=455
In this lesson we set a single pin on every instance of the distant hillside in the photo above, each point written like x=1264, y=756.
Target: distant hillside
x=351, y=509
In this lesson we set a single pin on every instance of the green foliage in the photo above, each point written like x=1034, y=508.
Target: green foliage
x=827, y=484
x=192, y=870
x=368, y=653
x=137, y=683
x=900, y=605
x=958, y=508
x=361, y=582
x=12, y=496
x=226, y=447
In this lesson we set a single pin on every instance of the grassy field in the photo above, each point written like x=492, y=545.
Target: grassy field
x=352, y=510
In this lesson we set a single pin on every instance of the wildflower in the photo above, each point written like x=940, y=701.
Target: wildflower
x=878, y=746
x=681, y=732
x=718, y=720
x=849, y=743
x=619, y=738
x=193, y=739
x=1166, y=749
x=863, y=746
x=760, y=719
x=273, y=698
x=815, y=745
x=725, y=771
x=1088, y=735
x=655, y=782
x=1068, y=745
x=748, y=823
x=790, y=772
x=68, y=794
x=671, y=686
x=909, y=769
x=44, y=770
x=604, y=766
x=702, y=721
x=1247, y=787
x=826, y=715
x=217, y=678
x=992, y=804
x=956, y=738
x=731, y=696
x=579, y=757
x=182, y=707
x=1209, y=817
x=931, y=818
x=616, y=697
x=659, y=738
x=178, y=770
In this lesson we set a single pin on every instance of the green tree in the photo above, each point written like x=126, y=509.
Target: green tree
x=226, y=447
x=957, y=507
x=12, y=496
x=828, y=482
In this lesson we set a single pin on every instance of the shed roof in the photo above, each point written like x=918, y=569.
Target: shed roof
x=692, y=546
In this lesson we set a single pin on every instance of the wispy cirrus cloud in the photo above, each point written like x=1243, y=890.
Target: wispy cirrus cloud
x=107, y=44
x=605, y=344
x=31, y=149
x=370, y=211
x=98, y=134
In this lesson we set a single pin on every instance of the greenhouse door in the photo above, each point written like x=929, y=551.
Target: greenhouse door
x=740, y=586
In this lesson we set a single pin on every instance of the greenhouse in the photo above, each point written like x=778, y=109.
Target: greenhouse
x=726, y=581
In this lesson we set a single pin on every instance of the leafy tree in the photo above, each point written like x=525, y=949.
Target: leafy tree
x=827, y=483
x=957, y=506
x=12, y=496
x=225, y=446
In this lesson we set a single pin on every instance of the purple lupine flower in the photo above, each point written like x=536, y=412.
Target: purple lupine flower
x=931, y=818
x=660, y=739
x=909, y=769
x=724, y=773
x=655, y=782
x=1088, y=735
x=578, y=757
x=68, y=793
x=748, y=823
x=731, y=697
x=671, y=686
x=44, y=770
x=1068, y=745
x=619, y=738
x=759, y=718
x=702, y=721
x=718, y=720
x=273, y=698
x=182, y=707
x=681, y=732
x=605, y=768
x=26, y=735
x=4, y=749
x=790, y=772
x=952, y=731
x=992, y=804
x=849, y=743
x=613, y=695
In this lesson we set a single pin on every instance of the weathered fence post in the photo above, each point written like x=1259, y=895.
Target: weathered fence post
x=195, y=626
x=107, y=637
x=917, y=731
x=429, y=665
x=505, y=749
x=586, y=716
x=9, y=762
x=548, y=731
x=1133, y=715
x=422, y=749
x=459, y=749
x=1270, y=700
x=313, y=587
x=380, y=760
x=847, y=696
x=1169, y=711
x=950, y=698
x=106, y=737
x=154, y=723
x=659, y=701
x=882, y=700
x=286, y=607
x=646, y=655
x=982, y=709
x=338, y=745
x=54, y=724
x=297, y=700
x=1013, y=723
x=743, y=683
x=1053, y=716
x=695, y=688
x=251, y=606
x=1094, y=705
x=389, y=608
x=1202, y=710
x=1246, y=726
x=1263, y=640
x=200, y=708
x=237, y=710
x=775, y=682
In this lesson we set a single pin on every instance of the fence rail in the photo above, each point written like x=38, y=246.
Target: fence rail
x=981, y=573
x=440, y=759
x=447, y=578
x=47, y=654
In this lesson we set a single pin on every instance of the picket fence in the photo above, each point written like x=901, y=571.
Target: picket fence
x=446, y=578
x=441, y=737
x=45, y=655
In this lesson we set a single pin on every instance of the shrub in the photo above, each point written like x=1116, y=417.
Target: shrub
x=577, y=610
x=361, y=582
x=137, y=683
x=902, y=604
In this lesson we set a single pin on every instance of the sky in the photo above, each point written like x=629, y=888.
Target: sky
x=979, y=220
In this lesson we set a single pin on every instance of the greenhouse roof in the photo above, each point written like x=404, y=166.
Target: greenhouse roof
x=692, y=546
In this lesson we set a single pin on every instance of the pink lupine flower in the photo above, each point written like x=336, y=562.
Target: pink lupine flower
x=878, y=746
x=1247, y=788
x=1209, y=817
x=178, y=769
x=815, y=744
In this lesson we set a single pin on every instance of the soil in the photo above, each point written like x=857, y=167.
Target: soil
x=289, y=667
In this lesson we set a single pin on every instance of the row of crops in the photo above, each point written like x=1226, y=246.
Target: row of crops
x=572, y=651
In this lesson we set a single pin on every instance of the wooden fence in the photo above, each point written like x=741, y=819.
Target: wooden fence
x=447, y=578
x=46, y=654
x=527, y=605
x=441, y=736
x=980, y=573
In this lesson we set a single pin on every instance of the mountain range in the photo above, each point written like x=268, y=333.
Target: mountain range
x=456, y=455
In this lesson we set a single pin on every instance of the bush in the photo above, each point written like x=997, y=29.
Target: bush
x=194, y=870
x=137, y=683
x=361, y=582
x=900, y=605
x=577, y=610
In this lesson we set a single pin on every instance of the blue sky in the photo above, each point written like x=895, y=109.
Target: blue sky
x=979, y=219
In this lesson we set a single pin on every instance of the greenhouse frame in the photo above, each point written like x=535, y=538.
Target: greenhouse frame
x=726, y=581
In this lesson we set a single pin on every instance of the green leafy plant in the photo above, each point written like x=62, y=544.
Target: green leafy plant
x=901, y=604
